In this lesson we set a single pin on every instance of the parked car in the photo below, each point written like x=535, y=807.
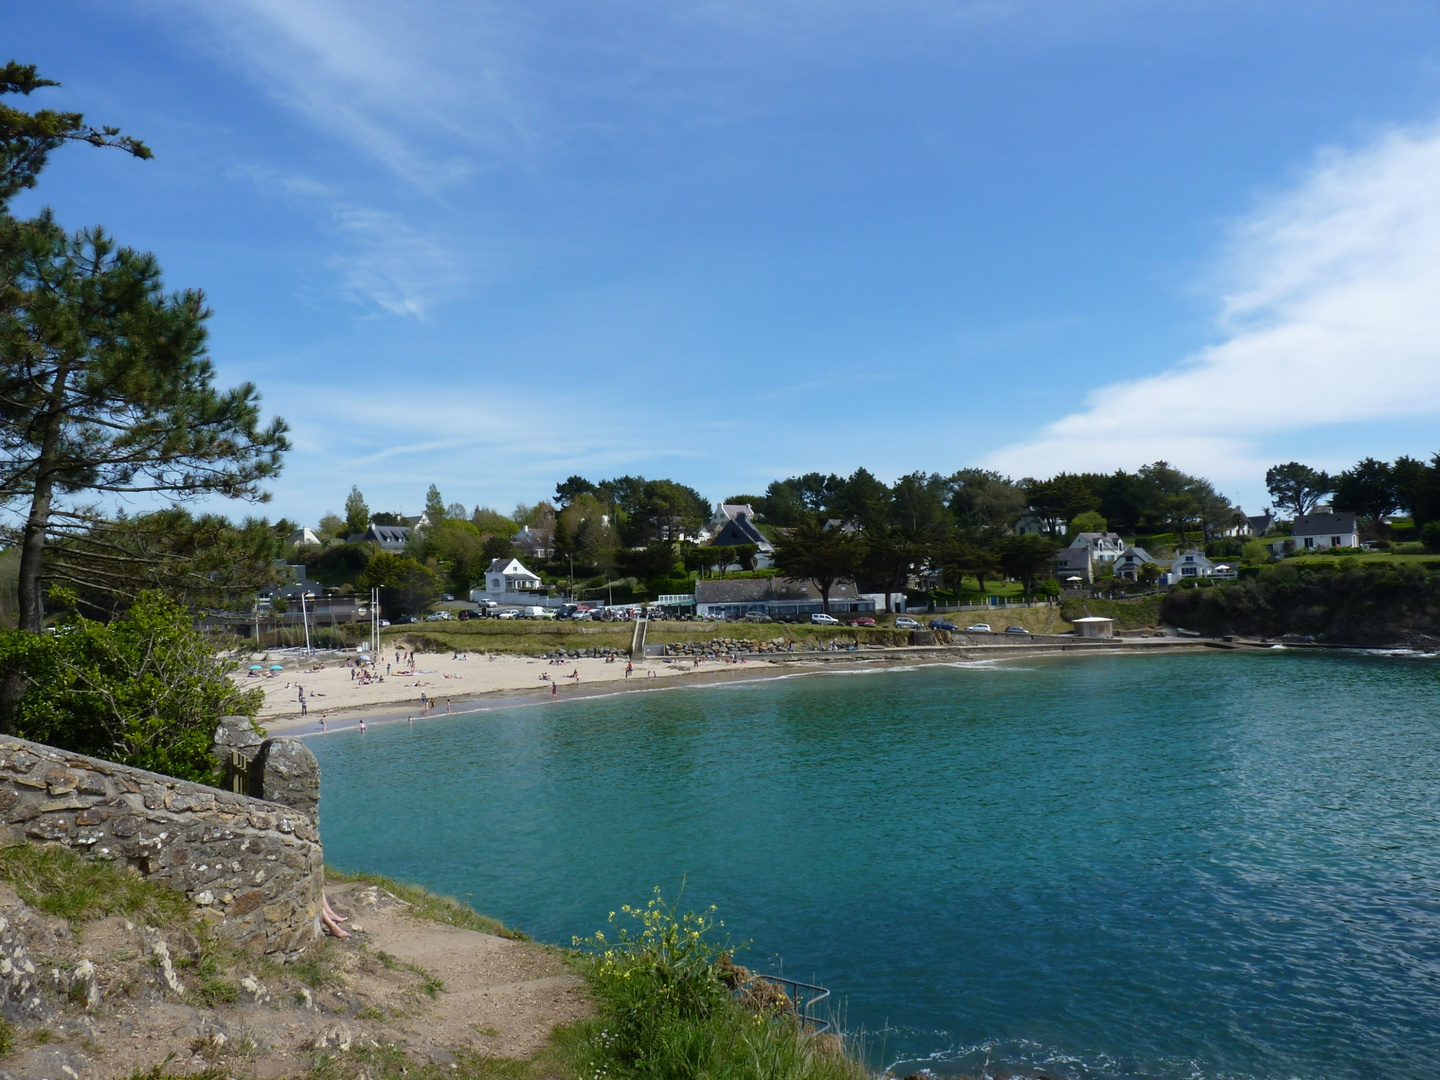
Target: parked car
x=756, y=616
x=467, y=613
x=1016, y=630
x=904, y=622
x=384, y=622
x=979, y=628
x=438, y=616
x=821, y=619
x=941, y=624
x=863, y=620
x=511, y=614
x=447, y=597
x=405, y=620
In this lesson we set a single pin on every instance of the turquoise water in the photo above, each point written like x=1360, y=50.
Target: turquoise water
x=1206, y=866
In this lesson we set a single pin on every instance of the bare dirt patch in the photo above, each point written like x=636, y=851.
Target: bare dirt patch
x=111, y=997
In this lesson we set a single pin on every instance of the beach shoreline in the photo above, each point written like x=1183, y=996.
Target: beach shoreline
x=517, y=682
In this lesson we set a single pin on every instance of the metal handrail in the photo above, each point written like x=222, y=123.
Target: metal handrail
x=793, y=988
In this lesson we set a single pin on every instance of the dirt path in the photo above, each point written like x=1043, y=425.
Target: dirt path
x=400, y=984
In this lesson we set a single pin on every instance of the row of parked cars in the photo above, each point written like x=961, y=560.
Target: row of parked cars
x=976, y=628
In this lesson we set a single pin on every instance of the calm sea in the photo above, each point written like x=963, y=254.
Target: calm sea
x=1189, y=866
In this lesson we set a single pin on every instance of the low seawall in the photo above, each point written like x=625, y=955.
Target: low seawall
x=256, y=866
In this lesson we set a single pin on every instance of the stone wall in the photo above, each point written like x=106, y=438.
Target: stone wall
x=256, y=866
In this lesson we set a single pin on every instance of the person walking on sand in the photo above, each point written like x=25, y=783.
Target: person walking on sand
x=304, y=710
x=629, y=667
x=554, y=688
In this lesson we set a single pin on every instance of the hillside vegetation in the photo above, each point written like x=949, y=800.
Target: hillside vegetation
x=1343, y=601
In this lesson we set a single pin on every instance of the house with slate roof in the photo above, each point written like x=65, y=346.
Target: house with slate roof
x=776, y=597
x=392, y=538
x=1074, y=566
x=738, y=528
x=1131, y=561
x=1104, y=547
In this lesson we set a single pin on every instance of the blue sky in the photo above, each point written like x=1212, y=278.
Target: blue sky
x=487, y=246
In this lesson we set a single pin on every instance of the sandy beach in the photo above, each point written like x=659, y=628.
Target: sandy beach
x=454, y=683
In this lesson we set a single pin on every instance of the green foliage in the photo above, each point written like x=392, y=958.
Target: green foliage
x=497, y=547
x=59, y=882
x=664, y=1012
x=26, y=139
x=811, y=551
x=105, y=387
x=1026, y=557
x=143, y=690
x=434, y=506
x=1296, y=487
x=357, y=513
x=1343, y=600
x=1369, y=490
x=1089, y=521
x=405, y=584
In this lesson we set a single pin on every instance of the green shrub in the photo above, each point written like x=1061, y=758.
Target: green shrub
x=143, y=690
x=664, y=1012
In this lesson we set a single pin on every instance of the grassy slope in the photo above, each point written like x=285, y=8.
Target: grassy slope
x=1128, y=614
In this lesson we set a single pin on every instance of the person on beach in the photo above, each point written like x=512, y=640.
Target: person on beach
x=322, y=721
x=554, y=688
x=303, y=708
x=629, y=667
x=362, y=727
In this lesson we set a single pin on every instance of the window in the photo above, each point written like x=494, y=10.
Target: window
x=1309, y=541
x=1334, y=541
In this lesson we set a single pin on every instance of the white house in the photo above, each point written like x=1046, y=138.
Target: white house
x=1325, y=529
x=1190, y=565
x=304, y=537
x=508, y=582
x=1104, y=547
x=1130, y=562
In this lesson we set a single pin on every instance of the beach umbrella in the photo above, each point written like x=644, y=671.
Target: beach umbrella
x=277, y=667
x=256, y=667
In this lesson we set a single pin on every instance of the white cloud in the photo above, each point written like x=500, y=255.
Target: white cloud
x=1331, y=307
x=425, y=92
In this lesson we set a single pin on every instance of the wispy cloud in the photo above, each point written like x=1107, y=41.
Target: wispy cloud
x=377, y=258
x=424, y=93
x=1329, y=306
